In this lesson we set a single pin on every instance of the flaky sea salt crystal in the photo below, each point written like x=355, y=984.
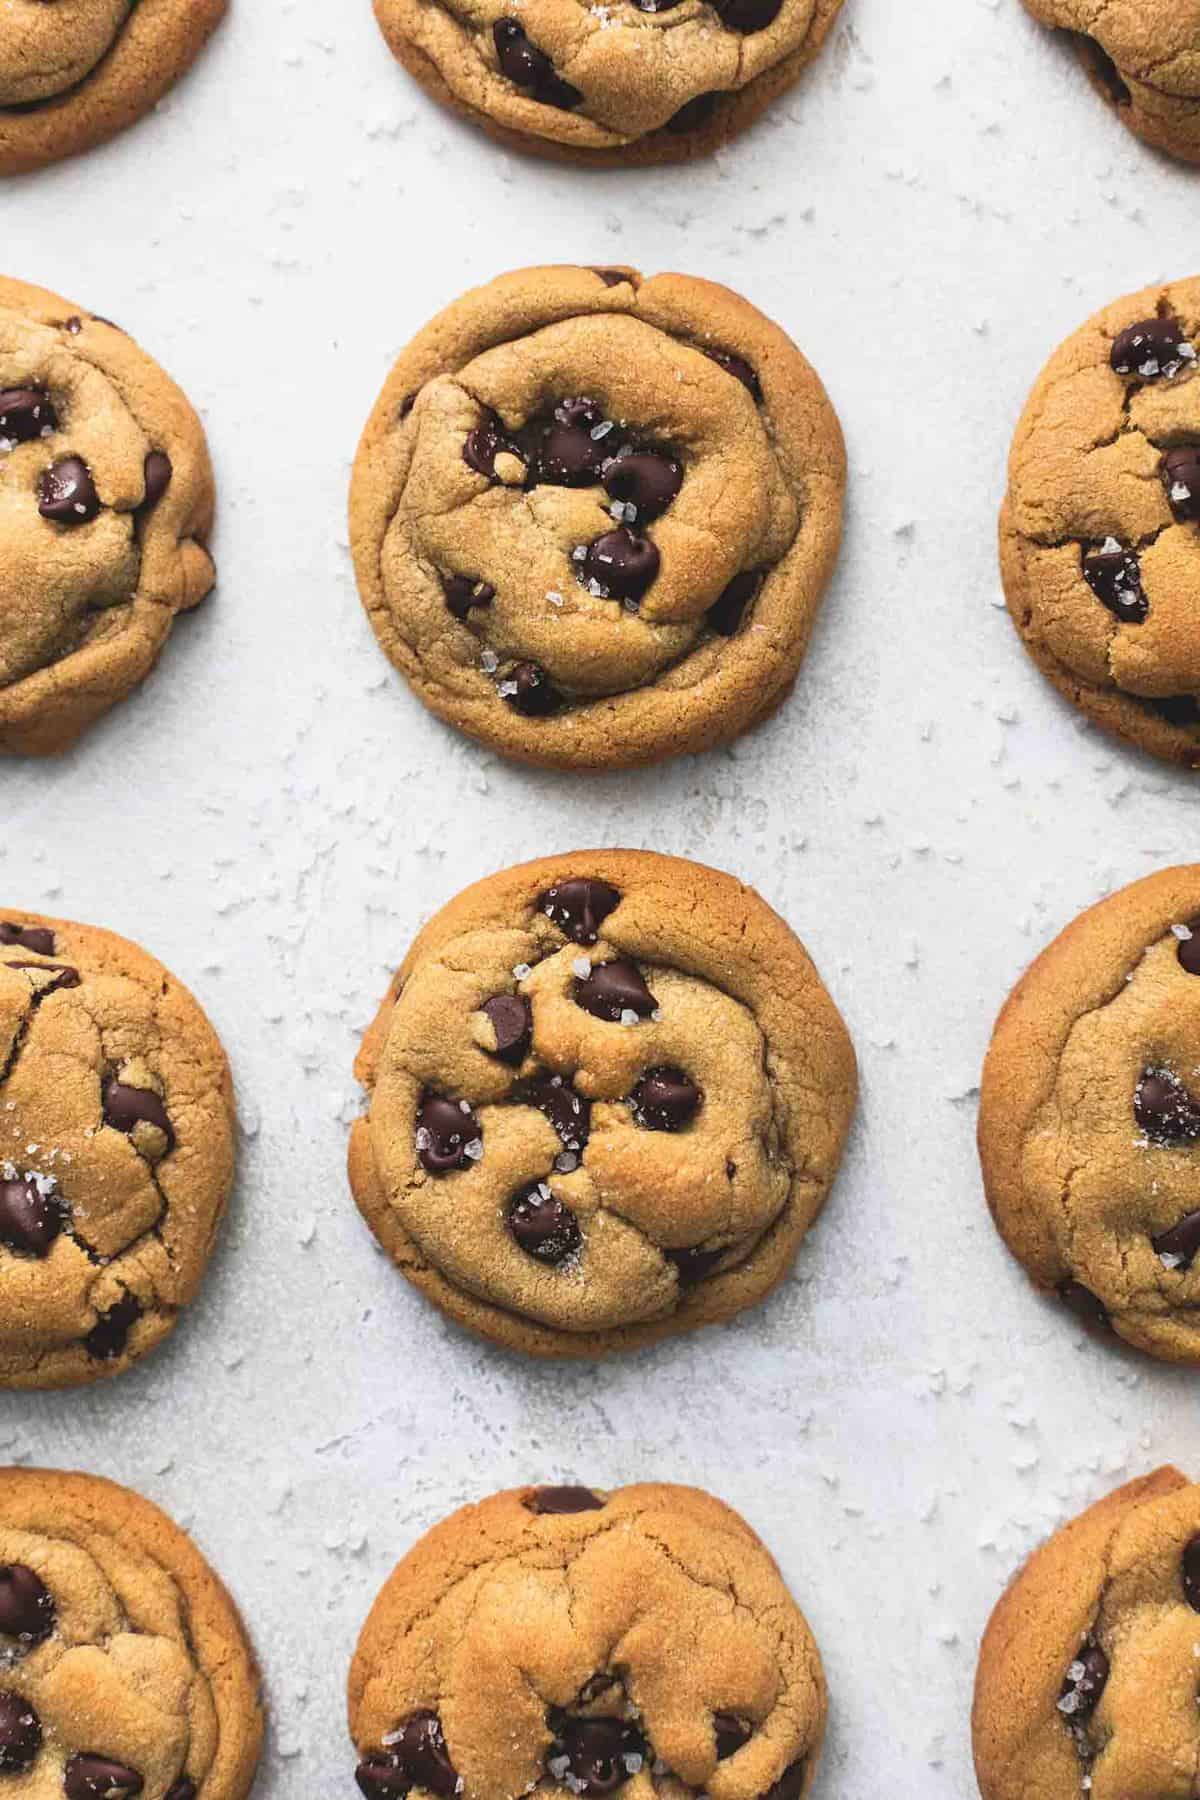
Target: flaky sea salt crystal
x=1182, y=932
x=474, y=1149
x=489, y=662
x=506, y=689
x=628, y=1016
x=1169, y=1260
x=566, y=1162
x=522, y=971
x=554, y=597
x=582, y=967
x=602, y=430
x=1180, y=491
x=424, y=1137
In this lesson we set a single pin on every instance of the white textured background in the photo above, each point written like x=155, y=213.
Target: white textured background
x=939, y=203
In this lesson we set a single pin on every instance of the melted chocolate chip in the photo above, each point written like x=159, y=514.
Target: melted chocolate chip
x=32, y=1214
x=1181, y=1243
x=483, y=444
x=665, y=1100
x=107, y=1339
x=1181, y=478
x=747, y=16
x=156, y=477
x=1086, y=1306
x=465, y=591
x=126, y=1107
x=613, y=989
x=563, y=1500
x=64, y=975
x=1164, y=1109
x=790, y=1785
x=27, y=1610
x=88, y=1777
x=29, y=937
x=645, y=479
x=693, y=1265
x=445, y=1130
x=1191, y=1573
x=693, y=114
x=561, y=451
x=528, y=67
x=596, y=1756
x=579, y=907
x=1180, y=710
x=511, y=1018
x=1084, y=1683
x=738, y=367
x=20, y=1733
x=1115, y=577
x=731, y=1733
x=529, y=690
x=611, y=277
x=183, y=1789
x=725, y=615
x=25, y=414
x=568, y=1112
x=418, y=1749
x=1152, y=347
x=621, y=564
x=67, y=494
x=1102, y=69
x=379, y=1778
x=543, y=1225
x=1189, y=949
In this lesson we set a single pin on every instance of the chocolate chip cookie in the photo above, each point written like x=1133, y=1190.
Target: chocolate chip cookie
x=1088, y=1669
x=608, y=1095
x=637, y=81
x=1089, y=1126
x=106, y=500
x=1143, y=58
x=593, y=516
x=75, y=72
x=1100, y=530
x=116, y=1150
x=565, y=1641
x=124, y=1667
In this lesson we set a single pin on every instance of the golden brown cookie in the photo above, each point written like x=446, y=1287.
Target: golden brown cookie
x=75, y=72
x=106, y=501
x=116, y=1150
x=593, y=516
x=637, y=81
x=1089, y=1123
x=126, y=1669
x=1143, y=58
x=1088, y=1669
x=1100, y=530
x=564, y=1642
x=608, y=1096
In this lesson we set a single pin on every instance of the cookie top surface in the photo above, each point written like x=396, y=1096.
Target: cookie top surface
x=116, y=1150
x=607, y=1097
x=630, y=82
x=531, y=1645
x=1089, y=1125
x=106, y=501
x=73, y=72
x=1100, y=531
x=126, y=1670
x=1087, y=1672
x=1143, y=57
x=593, y=516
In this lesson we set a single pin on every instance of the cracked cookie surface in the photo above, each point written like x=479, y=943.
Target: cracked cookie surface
x=1143, y=58
x=75, y=72
x=1100, y=529
x=607, y=1097
x=1087, y=1671
x=116, y=1150
x=106, y=500
x=531, y=1645
x=1089, y=1125
x=638, y=81
x=125, y=1667
x=593, y=516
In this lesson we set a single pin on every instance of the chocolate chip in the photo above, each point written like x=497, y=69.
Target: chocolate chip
x=465, y=591
x=731, y=1733
x=30, y=937
x=183, y=1789
x=483, y=444
x=1115, y=577
x=447, y=1134
x=747, y=15
x=156, y=477
x=1084, y=1683
x=611, y=277
x=1180, y=710
x=89, y=1777
x=561, y=450
x=528, y=67
x=107, y=1339
x=27, y=1609
x=1181, y=1243
x=1087, y=1307
x=125, y=1107
x=1164, y=1109
x=511, y=1018
x=416, y=1756
x=568, y=1112
x=1189, y=948
x=1191, y=1572
x=693, y=114
x=665, y=1100
x=32, y=1214
x=725, y=615
x=1152, y=347
x=621, y=564
x=379, y=1778
x=26, y=413
x=1181, y=478
x=67, y=494
x=613, y=989
x=594, y=1755
x=20, y=1733
x=1102, y=68
x=790, y=1785
x=529, y=690
x=543, y=1225
x=693, y=1265
x=645, y=479
x=563, y=1500
x=738, y=367
x=579, y=907
x=64, y=975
